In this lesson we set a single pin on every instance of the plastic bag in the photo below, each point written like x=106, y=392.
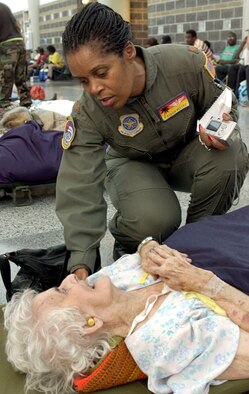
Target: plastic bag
x=242, y=93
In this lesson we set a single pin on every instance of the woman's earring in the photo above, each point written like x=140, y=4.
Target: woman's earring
x=90, y=322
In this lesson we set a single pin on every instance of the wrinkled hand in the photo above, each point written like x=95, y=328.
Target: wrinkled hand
x=145, y=260
x=209, y=140
x=146, y=257
x=175, y=269
x=81, y=273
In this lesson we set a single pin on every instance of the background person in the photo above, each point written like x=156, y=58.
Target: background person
x=64, y=331
x=54, y=61
x=192, y=39
x=13, y=62
x=208, y=43
x=166, y=40
x=229, y=56
x=35, y=54
x=150, y=124
x=240, y=72
x=34, y=68
x=151, y=42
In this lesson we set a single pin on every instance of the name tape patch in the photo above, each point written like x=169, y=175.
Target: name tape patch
x=172, y=107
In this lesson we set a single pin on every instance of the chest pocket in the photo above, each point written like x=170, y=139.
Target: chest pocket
x=157, y=133
x=133, y=145
x=176, y=121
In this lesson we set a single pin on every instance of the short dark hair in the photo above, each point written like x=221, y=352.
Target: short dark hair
x=231, y=33
x=97, y=24
x=151, y=41
x=192, y=33
x=166, y=40
x=51, y=48
x=208, y=44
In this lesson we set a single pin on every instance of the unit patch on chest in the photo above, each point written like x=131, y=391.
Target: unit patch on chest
x=130, y=125
x=173, y=106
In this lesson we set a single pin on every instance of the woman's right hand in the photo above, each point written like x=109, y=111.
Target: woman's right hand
x=81, y=273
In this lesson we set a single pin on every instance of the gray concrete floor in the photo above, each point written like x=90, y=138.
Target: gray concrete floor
x=36, y=226
x=69, y=90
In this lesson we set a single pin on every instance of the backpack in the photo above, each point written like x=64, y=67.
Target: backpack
x=40, y=269
x=37, y=93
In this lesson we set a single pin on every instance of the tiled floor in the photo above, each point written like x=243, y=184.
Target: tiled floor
x=36, y=226
x=69, y=90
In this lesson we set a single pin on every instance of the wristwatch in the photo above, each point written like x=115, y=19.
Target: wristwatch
x=144, y=242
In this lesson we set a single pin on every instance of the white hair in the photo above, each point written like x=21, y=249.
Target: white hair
x=15, y=117
x=52, y=351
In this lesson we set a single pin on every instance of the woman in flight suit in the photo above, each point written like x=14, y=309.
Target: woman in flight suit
x=144, y=103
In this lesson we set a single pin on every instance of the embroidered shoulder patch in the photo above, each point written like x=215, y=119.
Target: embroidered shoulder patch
x=69, y=133
x=173, y=106
x=209, y=67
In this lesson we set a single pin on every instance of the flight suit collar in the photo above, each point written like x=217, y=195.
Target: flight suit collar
x=150, y=65
x=150, y=69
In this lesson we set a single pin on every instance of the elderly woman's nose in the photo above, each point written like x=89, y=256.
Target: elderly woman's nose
x=69, y=280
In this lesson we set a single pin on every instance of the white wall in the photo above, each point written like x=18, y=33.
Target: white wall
x=120, y=6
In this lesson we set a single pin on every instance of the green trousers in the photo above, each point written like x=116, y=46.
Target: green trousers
x=143, y=192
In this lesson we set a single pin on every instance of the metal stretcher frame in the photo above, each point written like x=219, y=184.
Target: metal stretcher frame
x=21, y=192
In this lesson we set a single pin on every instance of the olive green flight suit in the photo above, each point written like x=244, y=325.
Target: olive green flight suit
x=154, y=150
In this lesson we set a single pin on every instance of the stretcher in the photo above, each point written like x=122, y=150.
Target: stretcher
x=30, y=159
x=13, y=382
x=191, y=239
x=21, y=192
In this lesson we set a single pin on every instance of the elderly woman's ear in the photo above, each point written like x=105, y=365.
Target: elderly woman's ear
x=92, y=324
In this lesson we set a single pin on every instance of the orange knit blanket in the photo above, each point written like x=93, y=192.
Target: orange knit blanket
x=117, y=368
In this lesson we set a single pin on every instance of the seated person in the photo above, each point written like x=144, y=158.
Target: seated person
x=152, y=41
x=176, y=339
x=54, y=61
x=240, y=72
x=34, y=68
x=166, y=40
x=229, y=56
x=192, y=39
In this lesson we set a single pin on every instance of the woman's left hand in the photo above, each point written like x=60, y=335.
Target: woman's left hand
x=145, y=253
x=210, y=141
x=175, y=269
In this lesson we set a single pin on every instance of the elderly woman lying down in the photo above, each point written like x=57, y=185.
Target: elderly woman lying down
x=183, y=341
